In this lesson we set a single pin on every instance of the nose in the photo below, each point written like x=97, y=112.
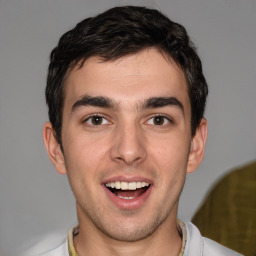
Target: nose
x=129, y=145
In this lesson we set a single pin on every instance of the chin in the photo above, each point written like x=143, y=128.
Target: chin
x=132, y=232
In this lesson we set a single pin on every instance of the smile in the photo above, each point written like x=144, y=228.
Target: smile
x=127, y=185
x=127, y=190
x=128, y=195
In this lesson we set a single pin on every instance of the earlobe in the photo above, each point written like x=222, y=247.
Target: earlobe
x=197, y=147
x=53, y=148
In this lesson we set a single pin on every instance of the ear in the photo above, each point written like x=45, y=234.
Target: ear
x=197, y=147
x=53, y=148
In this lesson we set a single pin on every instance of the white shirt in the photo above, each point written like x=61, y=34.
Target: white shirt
x=195, y=245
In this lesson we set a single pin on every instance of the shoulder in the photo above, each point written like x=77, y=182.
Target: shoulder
x=61, y=250
x=198, y=245
x=212, y=248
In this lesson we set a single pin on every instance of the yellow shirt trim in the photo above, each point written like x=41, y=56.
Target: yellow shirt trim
x=71, y=248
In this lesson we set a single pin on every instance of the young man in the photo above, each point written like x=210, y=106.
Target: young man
x=126, y=98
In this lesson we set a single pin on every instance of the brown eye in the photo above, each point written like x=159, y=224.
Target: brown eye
x=96, y=120
x=159, y=120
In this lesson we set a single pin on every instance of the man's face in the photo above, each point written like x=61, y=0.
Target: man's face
x=126, y=140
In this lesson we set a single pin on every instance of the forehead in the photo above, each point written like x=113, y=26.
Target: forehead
x=148, y=73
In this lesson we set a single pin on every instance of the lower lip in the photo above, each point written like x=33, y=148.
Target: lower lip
x=128, y=204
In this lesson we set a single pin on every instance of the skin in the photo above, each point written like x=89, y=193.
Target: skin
x=131, y=141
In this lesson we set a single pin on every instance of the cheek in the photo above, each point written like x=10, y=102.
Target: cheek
x=84, y=153
x=172, y=149
x=170, y=156
x=83, y=160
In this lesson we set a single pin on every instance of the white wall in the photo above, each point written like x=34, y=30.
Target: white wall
x=34, y=200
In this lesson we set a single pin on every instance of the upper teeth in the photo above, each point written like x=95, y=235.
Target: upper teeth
x=126, y=185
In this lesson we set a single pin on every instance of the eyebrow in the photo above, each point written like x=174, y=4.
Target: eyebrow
x=159, y=102
x=105, y=102
x=86, y=100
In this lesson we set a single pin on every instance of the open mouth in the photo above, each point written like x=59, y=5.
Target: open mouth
x=127, y=190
